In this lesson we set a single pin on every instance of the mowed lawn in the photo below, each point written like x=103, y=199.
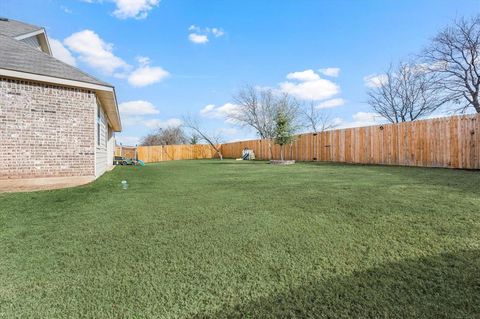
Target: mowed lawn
x=211, y=239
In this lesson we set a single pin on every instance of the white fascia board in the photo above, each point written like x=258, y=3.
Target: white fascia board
x=54, y=80
x=117, y=110
x=45, y=36
x=29, y=34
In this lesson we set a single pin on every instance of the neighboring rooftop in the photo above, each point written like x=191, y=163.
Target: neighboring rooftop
x=14, y=28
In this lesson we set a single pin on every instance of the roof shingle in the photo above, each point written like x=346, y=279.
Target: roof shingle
x=18, y=56
x=14, y=28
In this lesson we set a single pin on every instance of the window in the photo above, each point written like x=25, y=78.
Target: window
x=99, y=120
x=98, y=134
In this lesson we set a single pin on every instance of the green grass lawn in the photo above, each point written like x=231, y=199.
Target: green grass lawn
x=211, y=239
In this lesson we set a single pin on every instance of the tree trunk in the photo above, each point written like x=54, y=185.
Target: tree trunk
x=476, y=105
x=219, y=152
x=281, y=151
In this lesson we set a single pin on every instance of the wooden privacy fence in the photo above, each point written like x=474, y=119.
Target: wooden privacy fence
x=150, y=154
x=125, y=151
x=444, y=142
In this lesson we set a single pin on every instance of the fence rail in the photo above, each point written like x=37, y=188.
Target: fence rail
x=443, y=142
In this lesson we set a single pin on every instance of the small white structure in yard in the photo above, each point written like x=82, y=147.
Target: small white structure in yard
x=248, y=154
x=56, y=121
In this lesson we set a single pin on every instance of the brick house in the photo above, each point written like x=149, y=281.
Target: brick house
x=55, y=120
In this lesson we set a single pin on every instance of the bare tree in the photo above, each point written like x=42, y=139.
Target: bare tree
x=257, y=108
x=165, y=136
x=406, y=93
x=192, y=124
x=455, y=55
x=316, y=119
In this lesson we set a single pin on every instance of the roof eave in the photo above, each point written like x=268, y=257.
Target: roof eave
x=108, y=100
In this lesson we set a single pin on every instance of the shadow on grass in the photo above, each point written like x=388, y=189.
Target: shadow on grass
x=457, y=179
x=428, y=177
x=345, y=164
x=444, y=286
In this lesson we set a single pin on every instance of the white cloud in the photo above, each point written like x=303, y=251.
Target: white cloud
x=140, y=112
x=361, y=119
x=220, y=112
x=146, y=75
x=137, y=9
x=137, y=108
x=60, y=52
x=227, y=109
x=334, y=72
x=200, y=35
x=95, y=52
x=337, y=122
x=331, y=103
x=229, y=131
x=311, y=90
x=308, y=85
x=307, y=75
x=143, y=60
x=375, y=80
x=194, y=28
x=127, y=140
x=217, y=32
x=157, y=123
x=365, y=117
x=198, y=38
x=131, y=120
x=66, y=10
x=207, y=109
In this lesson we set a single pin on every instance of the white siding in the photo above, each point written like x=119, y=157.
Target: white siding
x=110, y=148
x=33, y=41
x=101, y=141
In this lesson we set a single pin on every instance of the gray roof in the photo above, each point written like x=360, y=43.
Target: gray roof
x=18, y=56
x=15, y=28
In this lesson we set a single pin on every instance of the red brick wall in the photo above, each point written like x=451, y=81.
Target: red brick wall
x=46, y=130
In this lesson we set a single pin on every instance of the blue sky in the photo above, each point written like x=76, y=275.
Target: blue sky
x=171, y=57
